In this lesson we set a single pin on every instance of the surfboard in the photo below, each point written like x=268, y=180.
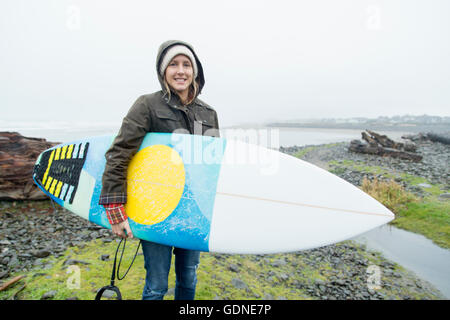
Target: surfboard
x=213, y=194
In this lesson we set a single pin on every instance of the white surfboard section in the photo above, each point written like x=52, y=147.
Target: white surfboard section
x=82, y=200
x=270, y=202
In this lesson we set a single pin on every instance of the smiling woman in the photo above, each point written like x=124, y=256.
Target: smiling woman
x=179, y=76
x=175, y=107
x=180, y=70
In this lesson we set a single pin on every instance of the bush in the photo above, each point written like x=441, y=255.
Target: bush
x=389, y=193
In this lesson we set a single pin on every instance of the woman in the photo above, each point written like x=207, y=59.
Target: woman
x=175, y=107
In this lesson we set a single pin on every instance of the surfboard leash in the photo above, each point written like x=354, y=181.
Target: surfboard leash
x=112, y=286
x=114, y=273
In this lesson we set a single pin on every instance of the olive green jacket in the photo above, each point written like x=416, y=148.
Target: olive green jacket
x=153, y=113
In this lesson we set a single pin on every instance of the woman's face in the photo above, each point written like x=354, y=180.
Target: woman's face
x=179, y=74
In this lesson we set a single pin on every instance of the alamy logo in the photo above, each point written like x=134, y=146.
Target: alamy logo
x=373, y=277
x=74, y=280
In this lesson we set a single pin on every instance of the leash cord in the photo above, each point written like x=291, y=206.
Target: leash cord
x=111, y=286
x=114, y=273
x=124, y=240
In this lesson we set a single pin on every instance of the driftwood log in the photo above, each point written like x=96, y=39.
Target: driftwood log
x=384, y=141
x=383, y=146
x=9, y=283
x=438, y=138
x=18, y=155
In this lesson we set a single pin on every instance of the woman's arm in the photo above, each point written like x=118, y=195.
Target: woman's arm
x=133, y=130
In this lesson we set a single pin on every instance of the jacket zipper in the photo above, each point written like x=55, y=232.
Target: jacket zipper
x=186, y=119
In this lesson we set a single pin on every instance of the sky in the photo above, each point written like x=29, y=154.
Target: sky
x=89, y=60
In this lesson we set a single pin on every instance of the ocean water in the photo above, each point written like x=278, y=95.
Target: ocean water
x=313, y=136
x=60, y=131
x=266, y=136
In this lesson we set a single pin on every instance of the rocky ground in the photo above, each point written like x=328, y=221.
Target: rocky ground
x=32, y=230
x=28, y=235
x=335, y=272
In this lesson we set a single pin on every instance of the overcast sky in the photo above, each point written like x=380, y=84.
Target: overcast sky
x=263, y=60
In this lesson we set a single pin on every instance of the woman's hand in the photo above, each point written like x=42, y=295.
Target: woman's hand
x=122, y=229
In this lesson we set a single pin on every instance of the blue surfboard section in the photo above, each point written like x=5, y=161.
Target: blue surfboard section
x=188, y=226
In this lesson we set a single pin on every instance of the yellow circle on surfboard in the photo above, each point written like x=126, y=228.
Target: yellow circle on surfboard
x=155, y=183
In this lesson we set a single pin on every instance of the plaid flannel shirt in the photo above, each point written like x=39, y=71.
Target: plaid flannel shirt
x=114, y=198
x=115, y=212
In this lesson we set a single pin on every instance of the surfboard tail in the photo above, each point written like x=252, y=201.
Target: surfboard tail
x=57, y=170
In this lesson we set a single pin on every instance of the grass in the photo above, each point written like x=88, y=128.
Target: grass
x=434, y=189
x=92, y=276
x=342, y=165
x=389, y=193
x=427, y=216
x=303, y=152
x=263, y=279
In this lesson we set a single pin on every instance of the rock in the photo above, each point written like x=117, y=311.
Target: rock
x=319, y=282
x=234, y=267
x=444, y=196
x=5, y=261
x=362, y=262
x=38, y=274
x=49, y=295
x=283, y=277
x=410, y=146
x=104, y=257
x=38, y=262
x=279, y=263
x=41, y=253
x=238, y=283
x=267, y=296
x=388, y=265
x=18, y=155
x=13, y=262
x=445, y=139
x=70, y=262
x=4, y=274
x=339, y=282
x=424, y=185
x=94, y=235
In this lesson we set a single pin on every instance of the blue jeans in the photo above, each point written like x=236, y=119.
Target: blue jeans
x=157, y=259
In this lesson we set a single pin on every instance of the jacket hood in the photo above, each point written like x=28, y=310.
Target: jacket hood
x=162, y=51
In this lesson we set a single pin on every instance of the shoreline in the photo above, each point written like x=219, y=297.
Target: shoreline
x=414, y=128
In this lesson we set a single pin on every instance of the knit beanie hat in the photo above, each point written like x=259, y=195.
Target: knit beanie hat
x=173, y=52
